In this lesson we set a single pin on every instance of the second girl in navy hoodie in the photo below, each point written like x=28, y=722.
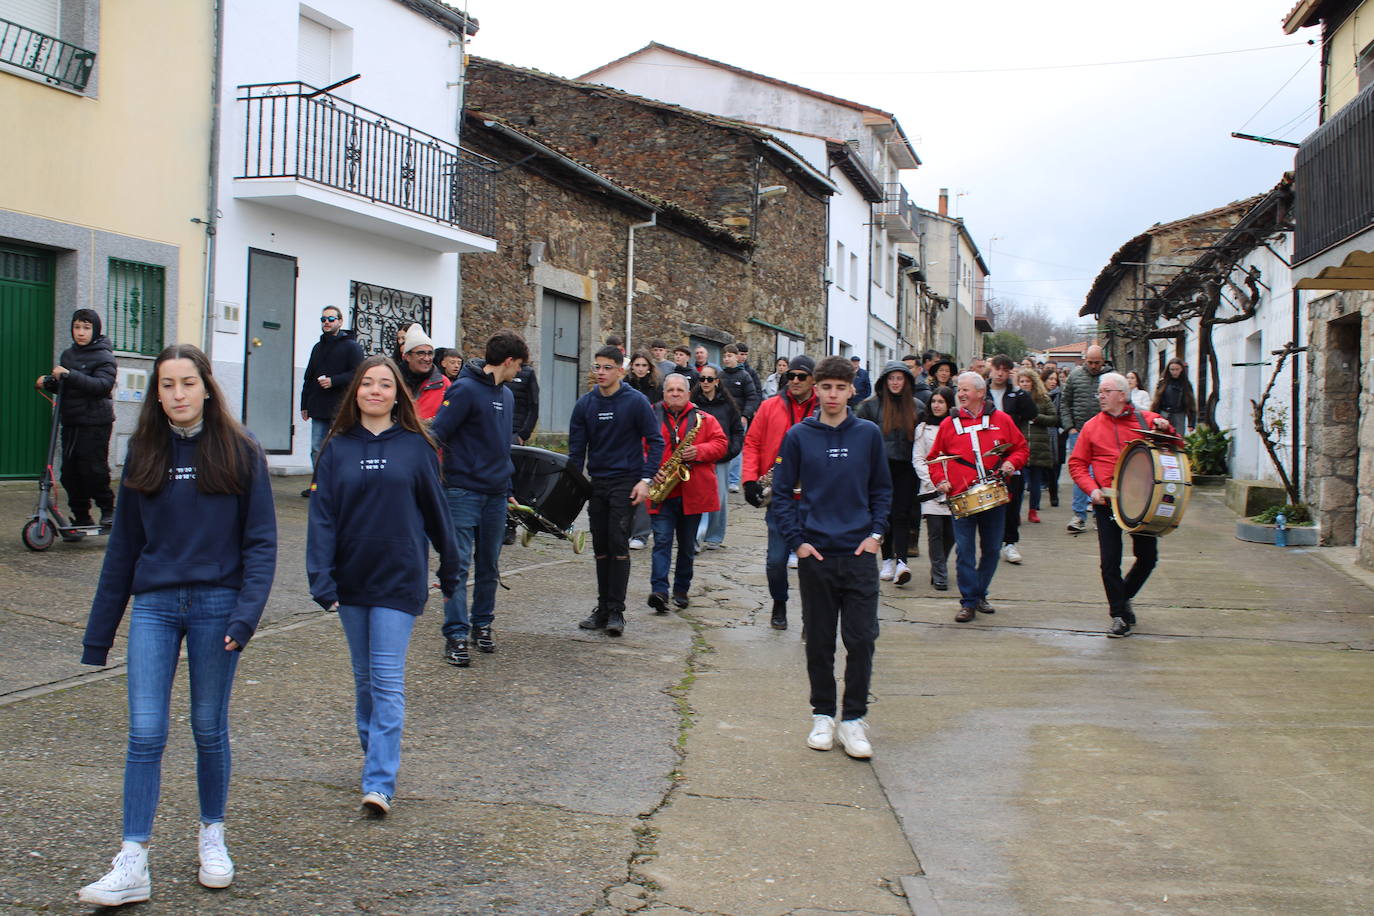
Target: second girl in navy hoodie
x=376, y=501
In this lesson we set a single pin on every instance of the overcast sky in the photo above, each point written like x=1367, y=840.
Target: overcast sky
x=1053, y=169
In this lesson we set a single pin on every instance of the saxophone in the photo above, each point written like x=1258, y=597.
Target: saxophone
x=766, y=484
x=674, y=470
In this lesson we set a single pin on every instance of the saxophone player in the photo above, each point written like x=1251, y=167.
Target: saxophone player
x=692, y=444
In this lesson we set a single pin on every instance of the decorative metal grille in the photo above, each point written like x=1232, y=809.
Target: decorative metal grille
x=57, y=61
x=24, y=267
x=380, y=312
x=296, y=131
x=135, y=306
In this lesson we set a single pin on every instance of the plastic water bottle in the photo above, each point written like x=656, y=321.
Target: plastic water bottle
x=1280, y=530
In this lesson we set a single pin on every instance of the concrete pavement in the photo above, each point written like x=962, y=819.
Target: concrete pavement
x=1216, y=762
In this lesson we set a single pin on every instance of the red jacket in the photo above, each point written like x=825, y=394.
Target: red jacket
x=1000, y=428
x=1100, y=442
x=698, y=492
x=763, y=441
x=431, y=396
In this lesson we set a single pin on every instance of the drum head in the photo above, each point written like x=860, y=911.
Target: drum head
x=1135, y=483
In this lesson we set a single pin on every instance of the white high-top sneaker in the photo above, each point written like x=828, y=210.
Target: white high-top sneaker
x=216, y=868
x=885, y=574
x=128, y=880
x=853, y=737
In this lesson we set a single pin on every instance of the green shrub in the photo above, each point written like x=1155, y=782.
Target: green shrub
x=1208, y=450
x=1297, y=516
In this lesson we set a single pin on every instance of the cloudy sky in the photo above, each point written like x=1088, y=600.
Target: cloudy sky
x=1062, y=128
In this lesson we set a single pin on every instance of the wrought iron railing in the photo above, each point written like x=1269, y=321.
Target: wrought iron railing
x=296, y=131
x=1333, y=182
x=896, y=202
x=379, y=312
x=59, y=62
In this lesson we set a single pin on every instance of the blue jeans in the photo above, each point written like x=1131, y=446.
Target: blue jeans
x=712, y=529
x=318, y=430
x=1080, y=499
x=670, y=523
x=775, y=565
x=160, y=621
x=974, y=573
x=736, y=465
x=1036, y=478
x=377, y=641
x=479, y=524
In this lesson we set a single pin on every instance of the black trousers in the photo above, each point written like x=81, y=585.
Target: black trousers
x=609, y=513
x=1011, y=528
x=940, y=538
x=86, y=467
x=904, y=486
x=841, y=589
x=1121, y=589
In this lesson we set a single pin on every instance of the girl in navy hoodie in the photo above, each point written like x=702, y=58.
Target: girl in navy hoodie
x=377, y=499
x=195, y=543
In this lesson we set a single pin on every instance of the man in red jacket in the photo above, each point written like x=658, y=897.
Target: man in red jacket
x=679, y=515
x=762, y=443
x=425, y=380
x=970, y=435
x=1092, y=465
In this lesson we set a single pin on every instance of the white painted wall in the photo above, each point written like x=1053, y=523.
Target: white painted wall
x=406, y=62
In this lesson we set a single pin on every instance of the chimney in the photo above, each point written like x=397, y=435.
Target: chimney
x=944, y=201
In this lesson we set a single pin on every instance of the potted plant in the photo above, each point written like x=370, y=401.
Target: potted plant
x=1209, y=449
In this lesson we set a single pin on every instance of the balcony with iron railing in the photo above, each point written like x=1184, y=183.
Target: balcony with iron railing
x=897, y=213
x=58, y=62
x=1333, y=181
x=315, y=153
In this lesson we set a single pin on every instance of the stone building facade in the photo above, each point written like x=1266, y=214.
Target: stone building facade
x=724, y=262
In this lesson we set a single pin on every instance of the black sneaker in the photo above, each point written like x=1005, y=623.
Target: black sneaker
x=107, y=518
x=481, y=638
x=509, y=539
x=456, y=652
x=1120, y=628
x=680, y=600
x=659, y=602
x=615, y=623
x=985, y=608
x=596, y=621
x=306, y=494
x=83, y=520
x=779, y=621
x=939, y=586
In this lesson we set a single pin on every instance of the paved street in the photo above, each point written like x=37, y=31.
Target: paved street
x=1218, y=761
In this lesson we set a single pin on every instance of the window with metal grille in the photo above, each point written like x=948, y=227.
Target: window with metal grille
x=134, y=307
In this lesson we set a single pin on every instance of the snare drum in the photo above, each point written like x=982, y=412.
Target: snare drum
x=1152, y=483
x=979, y=498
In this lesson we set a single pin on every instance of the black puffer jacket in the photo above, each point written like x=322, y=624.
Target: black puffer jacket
x=896, y=441
x=88, y=389
x=525, y=387
x=337, y=356
x=728, y=416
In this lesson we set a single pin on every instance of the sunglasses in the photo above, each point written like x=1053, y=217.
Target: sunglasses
x=708, y=378
x=329, y=319
x=796, y=376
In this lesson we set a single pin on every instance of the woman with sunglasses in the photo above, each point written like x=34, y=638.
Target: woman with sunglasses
x=713, y=398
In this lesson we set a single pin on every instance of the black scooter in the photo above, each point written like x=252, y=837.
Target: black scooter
x=47, y=521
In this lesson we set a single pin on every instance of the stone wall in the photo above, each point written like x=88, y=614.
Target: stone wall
x=1340, y=419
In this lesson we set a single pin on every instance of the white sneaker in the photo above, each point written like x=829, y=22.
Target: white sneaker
x=791, y=561
x=377, y=803
x=636, y=543
x=822, y=737
x=853, y=737
x=901, y=575
x=127, y=882
x=734, y=488
x=216, y=868
x=1011, y=554
x=885, y=574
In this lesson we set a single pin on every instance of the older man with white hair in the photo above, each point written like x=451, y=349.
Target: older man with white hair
x=972, y=437
x=1092, y=466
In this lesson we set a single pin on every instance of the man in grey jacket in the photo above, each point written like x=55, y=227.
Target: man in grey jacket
x=1077, y=405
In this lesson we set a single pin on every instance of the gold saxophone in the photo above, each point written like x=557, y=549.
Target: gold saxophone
x=766, y=484
x=674, y=470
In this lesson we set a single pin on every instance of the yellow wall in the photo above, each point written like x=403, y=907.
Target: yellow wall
x=134, y=159
x=1346, y=42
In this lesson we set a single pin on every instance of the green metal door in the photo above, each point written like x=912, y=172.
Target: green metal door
x=26, y=352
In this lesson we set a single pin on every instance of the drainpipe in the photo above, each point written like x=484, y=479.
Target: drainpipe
x=1295, y=404
x=211, y=220
x=630, y=279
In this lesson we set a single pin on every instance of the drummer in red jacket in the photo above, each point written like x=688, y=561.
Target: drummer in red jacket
x=1092, y=465
x=679, y=515
x=970, y=435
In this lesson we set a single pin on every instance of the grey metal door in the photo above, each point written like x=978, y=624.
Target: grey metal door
x=269, y=370
x=560, y=375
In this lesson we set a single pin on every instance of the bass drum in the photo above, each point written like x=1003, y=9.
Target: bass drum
x=544, y=482
x=1152, y=484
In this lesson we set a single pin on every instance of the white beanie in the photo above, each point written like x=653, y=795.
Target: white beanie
x=414, y=337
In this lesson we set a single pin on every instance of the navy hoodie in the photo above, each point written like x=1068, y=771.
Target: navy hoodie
x=846, y=487
x=376, y=500
x=613, y=433
x=474, y=428
x=179, y=537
